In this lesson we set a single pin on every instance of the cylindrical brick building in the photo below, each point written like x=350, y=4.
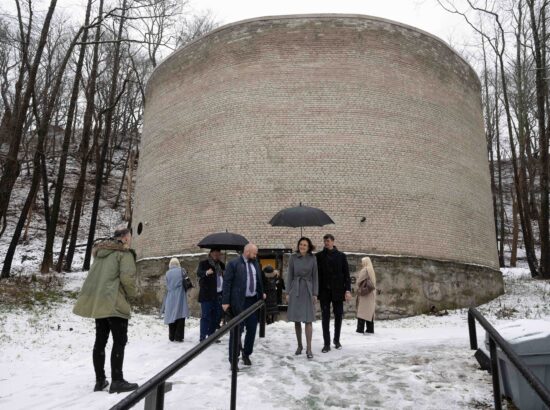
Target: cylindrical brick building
x=377, y=123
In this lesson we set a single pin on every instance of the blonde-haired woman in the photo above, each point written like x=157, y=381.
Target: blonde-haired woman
x=175, y=306
x=366, y=305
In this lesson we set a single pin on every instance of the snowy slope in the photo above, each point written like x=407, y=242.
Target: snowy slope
x=422, y=362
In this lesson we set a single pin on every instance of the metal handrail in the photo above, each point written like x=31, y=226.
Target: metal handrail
x=157, y=382
x=495, y=339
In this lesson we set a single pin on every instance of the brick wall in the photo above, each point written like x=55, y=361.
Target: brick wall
x=357, y=115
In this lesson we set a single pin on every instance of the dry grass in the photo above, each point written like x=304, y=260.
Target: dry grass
x=32, y=291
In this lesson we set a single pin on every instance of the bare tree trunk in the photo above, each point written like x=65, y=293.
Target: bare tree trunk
x=29, y=218
x=541, y=90
x=520, y=167
x=515, y=231
x=105, y=144
x=499, y=166
x=45, y=192
x=129, y=187
x=59, y=265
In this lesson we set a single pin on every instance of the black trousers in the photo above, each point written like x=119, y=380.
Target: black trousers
x=176, y=330
x=361, y=325
x=338, y=311
x=119, y=328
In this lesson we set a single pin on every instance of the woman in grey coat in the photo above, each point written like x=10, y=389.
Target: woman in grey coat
x=303, y=288
x=175, y=306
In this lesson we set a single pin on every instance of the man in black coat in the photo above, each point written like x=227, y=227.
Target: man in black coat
x=334, y=287
x=210, y=274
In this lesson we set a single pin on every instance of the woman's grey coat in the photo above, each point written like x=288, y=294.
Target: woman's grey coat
x=175, y=303
x=303, y=284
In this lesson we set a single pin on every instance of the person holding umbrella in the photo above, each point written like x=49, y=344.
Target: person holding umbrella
x=302, y=292
x=210, y=274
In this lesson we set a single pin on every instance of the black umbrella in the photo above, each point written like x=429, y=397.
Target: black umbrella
x=300, y=216
x=224, y=240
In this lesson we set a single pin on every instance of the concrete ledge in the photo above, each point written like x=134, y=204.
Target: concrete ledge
x=408, y=286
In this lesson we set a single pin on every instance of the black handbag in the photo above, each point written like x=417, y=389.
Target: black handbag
x=187, y=284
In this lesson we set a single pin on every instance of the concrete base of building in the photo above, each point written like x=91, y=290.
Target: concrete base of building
x=406, y=286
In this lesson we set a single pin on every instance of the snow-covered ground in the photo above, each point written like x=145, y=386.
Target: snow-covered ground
x=422, y=362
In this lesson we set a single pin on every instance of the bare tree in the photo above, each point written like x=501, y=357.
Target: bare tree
x=43, y=128
x=47, y=261
x=11, y=167
x=113, y=99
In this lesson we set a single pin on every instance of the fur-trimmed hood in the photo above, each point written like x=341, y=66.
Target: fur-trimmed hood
x=270, y=275
x=105, y=248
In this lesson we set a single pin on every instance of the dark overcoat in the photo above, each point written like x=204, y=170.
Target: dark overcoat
x=270, y=289
x=333, y=286
x=208, y=287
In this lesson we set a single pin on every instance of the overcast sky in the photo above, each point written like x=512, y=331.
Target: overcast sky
x=424, y=14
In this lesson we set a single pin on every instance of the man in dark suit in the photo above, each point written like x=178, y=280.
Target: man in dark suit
x=334, y=287
x=242, y=287
x=210, y=274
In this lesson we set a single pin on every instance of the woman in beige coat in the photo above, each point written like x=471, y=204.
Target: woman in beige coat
x=366, y=305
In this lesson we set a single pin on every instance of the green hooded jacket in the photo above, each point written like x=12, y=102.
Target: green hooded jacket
x=110, y=281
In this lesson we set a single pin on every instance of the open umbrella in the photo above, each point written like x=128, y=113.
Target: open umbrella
x=300, y=216
x=224, y=240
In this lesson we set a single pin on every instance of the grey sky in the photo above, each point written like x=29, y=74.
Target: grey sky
x=424, y=14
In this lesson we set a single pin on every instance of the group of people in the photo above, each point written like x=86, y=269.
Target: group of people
x=223, y=290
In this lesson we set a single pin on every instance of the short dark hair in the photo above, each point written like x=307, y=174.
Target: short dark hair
x=121, y=233
x=310, y=246
x=328, y=236
x=215, y=250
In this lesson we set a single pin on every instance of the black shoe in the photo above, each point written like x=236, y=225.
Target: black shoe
x=218, y=341
x=299, y=350
x=309, y=355
x=121, y=386
x=236, y=368
x=325, y=349
x=100, y=384
x=359, y=331
x=246, y=361
x=337, y=345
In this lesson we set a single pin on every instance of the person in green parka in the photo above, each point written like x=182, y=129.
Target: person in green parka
x=104, y=297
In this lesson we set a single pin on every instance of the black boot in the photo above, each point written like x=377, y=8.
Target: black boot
x=100, y=384
x=121, y=386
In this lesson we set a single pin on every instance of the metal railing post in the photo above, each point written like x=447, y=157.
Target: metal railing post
x=494, y=371
x=235, y=342
x=472, y=329
x=263, y=311
x=160, y=396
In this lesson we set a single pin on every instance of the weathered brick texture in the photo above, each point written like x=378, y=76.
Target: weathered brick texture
x=357, y=115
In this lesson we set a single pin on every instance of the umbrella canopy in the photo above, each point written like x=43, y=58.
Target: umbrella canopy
x=299, y=216
x=224, y=240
